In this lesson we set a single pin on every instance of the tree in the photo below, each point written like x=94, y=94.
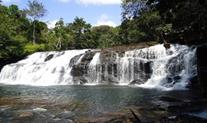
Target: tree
x=13, y=32
x=188, y=19
x=80, y=29
x=104, y=36
x=9, y=48
x=36, y=10
x=140, y=22
x=132, y=8
x=62, y=37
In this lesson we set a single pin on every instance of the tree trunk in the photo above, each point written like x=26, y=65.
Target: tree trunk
x=59, y=44
x=33, y=33
x=166, y=44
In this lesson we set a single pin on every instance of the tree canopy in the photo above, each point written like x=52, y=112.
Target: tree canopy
x=182, y=21
x=35, y=10
x=22, y=33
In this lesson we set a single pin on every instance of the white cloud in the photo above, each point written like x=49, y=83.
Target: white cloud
x=51, y=24
x=105, y=20
x=99, y=2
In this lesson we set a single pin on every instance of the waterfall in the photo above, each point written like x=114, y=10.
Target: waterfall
x=41, y=69
x=152, y=67
x=94, y=70
x=172, y=68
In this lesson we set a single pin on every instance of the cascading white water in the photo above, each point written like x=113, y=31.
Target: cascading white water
x=153, y=67
x=171, y=60
x=41, y=69
x=94, y=76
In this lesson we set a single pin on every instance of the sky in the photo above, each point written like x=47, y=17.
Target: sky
x=95, y=12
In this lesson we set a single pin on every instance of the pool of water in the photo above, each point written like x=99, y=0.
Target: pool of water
x=87, y=101
x=97, y=98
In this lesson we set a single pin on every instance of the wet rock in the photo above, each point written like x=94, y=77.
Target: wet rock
x=171, y=80
x=56, y=120
x=172, y=117
x=111, y=81
x=60, y=54
x=6, y=114
x=175, y=65
x=40, y=110
x=4, y=108
x=49, y=57
x=137, y=81
x=108, y=56
x=147, y=67
x=74, y=60
x=169, y=52
x=65, y=115
x=88, y=56
x=143, y=69
x=177, y=78
x=81, y=69
x=80, y=80
x=26, y=115
x=167, y=45
x=83, y=80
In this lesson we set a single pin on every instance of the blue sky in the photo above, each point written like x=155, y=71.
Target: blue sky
x=96, y=12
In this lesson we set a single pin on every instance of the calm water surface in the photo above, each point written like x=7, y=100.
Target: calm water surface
x=89, y=100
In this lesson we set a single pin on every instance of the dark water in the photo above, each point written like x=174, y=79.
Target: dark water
x=83, y=100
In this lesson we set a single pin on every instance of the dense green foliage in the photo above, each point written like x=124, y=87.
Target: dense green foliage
x=21, y=33
x=180, y=21
x=13, y=31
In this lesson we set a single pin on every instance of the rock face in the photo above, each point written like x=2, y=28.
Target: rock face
x=202, y=68
x=80, y=69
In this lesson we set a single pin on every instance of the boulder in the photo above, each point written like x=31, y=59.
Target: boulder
x=137, y=81
x=66, y=115
x=78, y=70
x=26, y=115
x=79, y=80
x=49, y=57
x=74, y=60
x=167, y=45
